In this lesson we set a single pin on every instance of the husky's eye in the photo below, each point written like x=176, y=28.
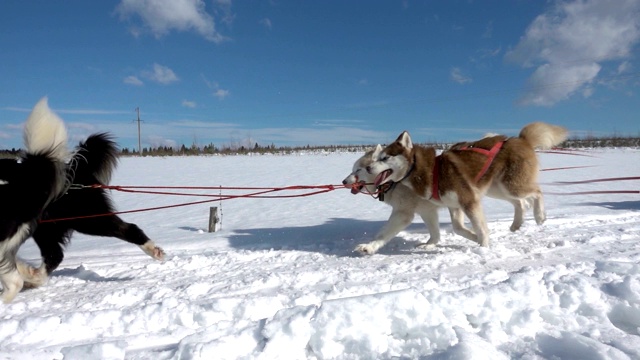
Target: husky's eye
x=385, y=158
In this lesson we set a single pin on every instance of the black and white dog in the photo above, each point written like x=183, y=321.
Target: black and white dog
x=88, y=210
x=27, y=186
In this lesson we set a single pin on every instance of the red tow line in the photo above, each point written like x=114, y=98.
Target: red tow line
x=258, y=194
x=594, y=192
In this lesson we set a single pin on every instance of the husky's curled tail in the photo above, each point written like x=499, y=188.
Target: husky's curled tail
x=542, y=135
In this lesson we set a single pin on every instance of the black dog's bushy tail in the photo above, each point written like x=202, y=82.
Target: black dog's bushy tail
x=43, y=166
x=95, y=160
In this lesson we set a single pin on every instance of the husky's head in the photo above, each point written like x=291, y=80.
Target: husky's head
x=393, y=162
x=359, y=177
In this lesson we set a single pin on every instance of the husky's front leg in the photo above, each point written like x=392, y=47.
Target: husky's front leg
x=430, y=218
x=397, y=222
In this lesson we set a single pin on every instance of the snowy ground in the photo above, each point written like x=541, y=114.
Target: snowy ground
x=280, y=279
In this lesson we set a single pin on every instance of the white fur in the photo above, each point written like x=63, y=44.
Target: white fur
x=33, y=277
x=151, y=249
x=406, y=140
x=399, y=164
x=44, y=131
x=405, y=204
x=9, y=277
x=538, y=135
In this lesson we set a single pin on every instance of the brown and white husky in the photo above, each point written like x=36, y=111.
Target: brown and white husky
x=497, y=166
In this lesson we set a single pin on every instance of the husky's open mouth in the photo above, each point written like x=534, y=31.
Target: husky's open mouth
x=382, y=177
x=357, y=187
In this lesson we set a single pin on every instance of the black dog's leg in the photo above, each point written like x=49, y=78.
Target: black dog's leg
x=51, y=238
x=114, y=226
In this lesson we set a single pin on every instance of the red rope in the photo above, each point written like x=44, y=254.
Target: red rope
x=596, y=180
x=258, y=195
x=568, y=168
x=131, y=189
x=564, y=153
x=594, y=192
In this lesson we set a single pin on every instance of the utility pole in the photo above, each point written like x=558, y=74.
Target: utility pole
x=139, y=144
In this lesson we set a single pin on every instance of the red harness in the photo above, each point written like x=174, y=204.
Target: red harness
x=435, y=194
x=490, y=154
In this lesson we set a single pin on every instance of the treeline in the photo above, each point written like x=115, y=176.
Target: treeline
x=603, y=142
x=257, y=149
x=578, y=143
x=211, y=149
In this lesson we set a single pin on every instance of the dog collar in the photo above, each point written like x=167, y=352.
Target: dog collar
x=385, y=188
x=413, y=165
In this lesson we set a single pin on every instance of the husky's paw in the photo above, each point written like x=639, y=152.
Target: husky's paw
x=429, y=244
x=152, y=250
x=433, y=241
x=366, y=249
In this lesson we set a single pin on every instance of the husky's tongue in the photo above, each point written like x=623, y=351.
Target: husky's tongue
x=382, y=177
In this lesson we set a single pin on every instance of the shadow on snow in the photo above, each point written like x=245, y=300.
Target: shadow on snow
x=338, y=236
x=615, y=205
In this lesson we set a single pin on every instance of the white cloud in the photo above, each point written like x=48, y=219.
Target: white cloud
x=226, y=15
x=488, y=53
x=459, y=77
x=569, y=43
x=161, y=74
x=87, y=127
x=162, y=16
x=217, y=90
x=201, y=124
x=71, y=111
x=133, y=80
x=189, y=104
x=488, y=31
x=550, y=84
x=266, y=22
x=221, y=93
x=624, y=67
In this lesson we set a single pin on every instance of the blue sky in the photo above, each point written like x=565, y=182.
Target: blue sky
x=319, y=72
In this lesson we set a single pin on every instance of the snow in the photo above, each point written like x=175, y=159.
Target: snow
x=280, y=279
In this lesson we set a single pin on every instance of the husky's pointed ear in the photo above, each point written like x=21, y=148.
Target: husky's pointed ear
x=377, y=150
x=405, y=140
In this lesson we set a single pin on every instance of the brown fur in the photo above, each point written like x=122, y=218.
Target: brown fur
x=512, y=174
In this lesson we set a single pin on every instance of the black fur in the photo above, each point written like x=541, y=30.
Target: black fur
x=28, y=185
x=93, y=163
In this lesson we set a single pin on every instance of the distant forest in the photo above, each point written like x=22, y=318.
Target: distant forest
x=211, y=149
